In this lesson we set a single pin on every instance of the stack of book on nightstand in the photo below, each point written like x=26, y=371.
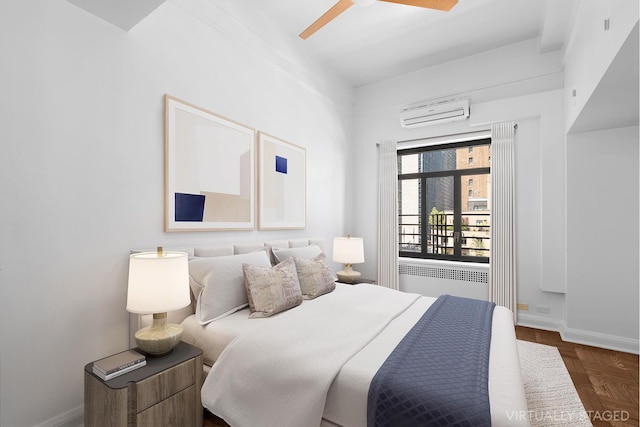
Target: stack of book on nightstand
x=118, y=364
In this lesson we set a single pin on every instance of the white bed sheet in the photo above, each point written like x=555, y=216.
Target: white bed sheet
x=213, y=337
x=346, y=403
x=347, y=398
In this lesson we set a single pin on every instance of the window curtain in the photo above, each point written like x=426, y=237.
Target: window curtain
x=388, y=215
x=502, y=272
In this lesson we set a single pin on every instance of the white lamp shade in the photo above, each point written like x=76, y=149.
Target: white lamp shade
x=348, y=250
x=158, y=283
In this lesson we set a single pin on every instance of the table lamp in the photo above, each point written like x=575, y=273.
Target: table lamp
x=158, y=283
x=348, y=250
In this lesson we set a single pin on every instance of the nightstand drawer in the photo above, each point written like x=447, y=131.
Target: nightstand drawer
x=159, y=387
x=164, y=392
x=176, y=411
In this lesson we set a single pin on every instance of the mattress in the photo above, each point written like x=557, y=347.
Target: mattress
x=346, y=403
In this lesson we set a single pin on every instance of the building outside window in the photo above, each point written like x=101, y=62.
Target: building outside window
x=444, y=202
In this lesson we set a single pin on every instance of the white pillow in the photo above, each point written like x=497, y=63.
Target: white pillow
x=305, y=252
x=219, y=284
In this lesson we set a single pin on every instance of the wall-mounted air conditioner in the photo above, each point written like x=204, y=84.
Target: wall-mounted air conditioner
x=431, y=113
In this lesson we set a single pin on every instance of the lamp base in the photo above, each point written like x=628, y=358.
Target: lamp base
x=348, y=275
x=159, y=338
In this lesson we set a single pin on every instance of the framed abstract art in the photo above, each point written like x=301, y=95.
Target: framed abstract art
x=209, y=170
x=281, y=184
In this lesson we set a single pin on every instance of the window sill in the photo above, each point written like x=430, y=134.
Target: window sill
x=476, y=266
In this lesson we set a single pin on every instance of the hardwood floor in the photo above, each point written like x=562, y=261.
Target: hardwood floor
x=606, y=380
x=211, y=420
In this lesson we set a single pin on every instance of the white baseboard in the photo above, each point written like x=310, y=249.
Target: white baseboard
x=596, y=339
x=539, y=322
x=578, y=336
x=72, y=418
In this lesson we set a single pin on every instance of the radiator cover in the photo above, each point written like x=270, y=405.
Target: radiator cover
x=438, y=279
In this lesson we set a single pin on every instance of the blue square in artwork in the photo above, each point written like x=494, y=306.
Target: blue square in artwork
x=281, y=164
x=189, y=207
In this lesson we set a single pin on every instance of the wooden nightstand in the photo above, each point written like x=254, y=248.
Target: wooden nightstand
x=165, y=392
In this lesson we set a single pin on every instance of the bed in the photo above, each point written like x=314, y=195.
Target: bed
x=313, y=363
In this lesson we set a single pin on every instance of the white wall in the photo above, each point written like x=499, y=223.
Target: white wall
x=602, y=235
x=81, y=169
x=517, y=83
x=511, y=83
x=601, y=69
x=589, y=52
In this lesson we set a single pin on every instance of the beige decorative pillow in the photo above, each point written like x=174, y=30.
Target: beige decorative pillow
x=272, y=290
x=315, y=276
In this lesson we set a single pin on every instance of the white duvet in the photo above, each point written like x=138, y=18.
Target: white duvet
x=280, y=373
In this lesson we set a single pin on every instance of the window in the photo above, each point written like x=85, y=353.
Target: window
x=440, y=215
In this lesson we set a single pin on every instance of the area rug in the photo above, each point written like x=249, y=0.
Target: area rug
x=551, y=396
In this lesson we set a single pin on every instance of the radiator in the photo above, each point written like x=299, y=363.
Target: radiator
x=436, y=279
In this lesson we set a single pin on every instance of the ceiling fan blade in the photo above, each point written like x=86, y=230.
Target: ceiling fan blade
x=429, y=4
x=336, y=10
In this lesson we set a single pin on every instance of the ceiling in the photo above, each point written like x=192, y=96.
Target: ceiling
x=366, y=44
x=385, y=39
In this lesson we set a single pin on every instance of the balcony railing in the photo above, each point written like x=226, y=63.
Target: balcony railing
x=441, y=239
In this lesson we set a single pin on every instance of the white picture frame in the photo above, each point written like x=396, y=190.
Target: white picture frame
x=209, y=170
x=281, y=184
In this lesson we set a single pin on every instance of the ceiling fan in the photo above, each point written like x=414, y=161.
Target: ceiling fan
x=343, y=5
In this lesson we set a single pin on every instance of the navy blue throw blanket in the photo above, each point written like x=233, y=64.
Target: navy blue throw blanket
x=438, y=374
